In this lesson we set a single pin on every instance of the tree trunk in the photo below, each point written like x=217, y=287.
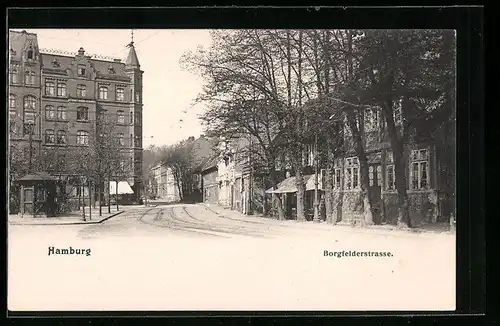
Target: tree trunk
x=90, y=199
x=399, y=165
x=276, y=198
x=400, y=176
x=363, y=166
x=109, y=195
x=365, y=194
x=329, y=187
x=100, y=196
x=358, y=143
x=82, y=188
x=316, y=181
x=301, y=191
x=117, y=208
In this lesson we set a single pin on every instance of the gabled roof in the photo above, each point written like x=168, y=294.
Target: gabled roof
x=210, y=163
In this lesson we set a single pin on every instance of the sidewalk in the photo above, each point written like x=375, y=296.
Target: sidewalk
x=75, y=217
x=438, y=228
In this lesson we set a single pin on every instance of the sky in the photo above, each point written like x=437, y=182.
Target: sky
x=168, y=91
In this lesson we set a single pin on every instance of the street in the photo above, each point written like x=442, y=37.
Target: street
x=197, y=257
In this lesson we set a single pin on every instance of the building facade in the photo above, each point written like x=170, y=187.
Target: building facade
x=165, y=186
x=59, y=99
x=429, y=165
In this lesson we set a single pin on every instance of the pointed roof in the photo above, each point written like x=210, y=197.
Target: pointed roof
x=132, y=60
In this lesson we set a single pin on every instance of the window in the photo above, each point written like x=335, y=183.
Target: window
x=29, y=54
x=390, y=172
x=29, y=77
x=13, y=76
x=371, y=119
x=61, y=162
x=391, y=180
x=137, y=141
x=28, y=127
x=131, y=118
x=13, y=127
x=419, y=165
x=120, y=117
x=137, y=118
x=82, y=113
x=103, y=116
x=61, y=89
x=347, y=128
x=336, y=180
x=120, y=95
x=137, y=97
x=121, y=139
x=379, y=175
x=309, y=155
x=82, y=137
x=81, y=70
x=61, y=113
x=81, y=90
x=370, y=175
x=30, y=103
x=29, y=117
x=12, y=101
x=49, y=136
x=50, y=112
x=396, y=112
x=61, y=137
x=50, y=88
x=103, y=93
x=131, y=140
x=352, y=173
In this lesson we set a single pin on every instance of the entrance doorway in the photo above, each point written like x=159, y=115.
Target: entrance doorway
x=375, y=190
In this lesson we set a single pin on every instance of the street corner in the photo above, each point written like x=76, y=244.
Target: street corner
x=60, y=220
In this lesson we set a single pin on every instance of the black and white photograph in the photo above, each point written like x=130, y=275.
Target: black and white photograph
x=232, y=169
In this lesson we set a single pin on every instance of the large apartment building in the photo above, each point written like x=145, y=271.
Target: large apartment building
x=58, y=98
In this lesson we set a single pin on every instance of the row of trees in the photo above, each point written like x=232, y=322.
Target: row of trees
x=284, y=88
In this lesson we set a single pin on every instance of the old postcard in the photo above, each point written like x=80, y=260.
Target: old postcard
x=242, y=169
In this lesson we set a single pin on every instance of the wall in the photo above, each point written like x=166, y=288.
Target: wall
x=210, y=187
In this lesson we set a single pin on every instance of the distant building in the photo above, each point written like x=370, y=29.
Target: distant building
x=237, y=187
x=58, y=97
x=164, y=185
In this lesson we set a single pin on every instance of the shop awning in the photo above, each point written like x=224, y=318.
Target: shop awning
x=289, y=185
x=123, y=188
